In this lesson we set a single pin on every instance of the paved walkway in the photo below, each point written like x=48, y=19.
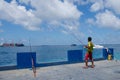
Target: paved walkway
x=104, y=70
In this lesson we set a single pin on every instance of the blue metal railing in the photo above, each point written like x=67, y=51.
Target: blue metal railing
x=66, y=56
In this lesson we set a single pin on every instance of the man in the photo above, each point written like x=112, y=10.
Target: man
x=88, y=55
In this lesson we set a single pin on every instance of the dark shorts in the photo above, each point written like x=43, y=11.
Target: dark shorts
x=88, y=56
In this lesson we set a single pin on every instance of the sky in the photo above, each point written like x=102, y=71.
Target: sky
x=59, y=22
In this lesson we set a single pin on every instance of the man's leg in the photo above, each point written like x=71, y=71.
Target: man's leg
x=92, y=63
x=86, y=60
x=86, y=63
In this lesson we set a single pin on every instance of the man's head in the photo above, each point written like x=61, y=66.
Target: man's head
x=89, y=39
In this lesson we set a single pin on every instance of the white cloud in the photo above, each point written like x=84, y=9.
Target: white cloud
x=107, y=19
x=96, y=6
x=45, y=11
x=90, y=21
x=65, y=32
x=52, y=9
x=114, y=5
x=18, y=14
x=79, y=2
x=56, y=12
x=105, y=4
x=107, y=13
x=100, y=4
x=25, y=1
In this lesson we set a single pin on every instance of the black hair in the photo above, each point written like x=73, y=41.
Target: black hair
x=89, y=39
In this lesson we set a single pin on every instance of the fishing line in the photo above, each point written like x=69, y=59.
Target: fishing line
x=30, y=45
x=106, y=36
x=107, y=48
x=77, y=38
x=32, y=60
x=93, y=34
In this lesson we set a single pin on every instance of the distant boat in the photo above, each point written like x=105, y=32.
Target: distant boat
x=73, y=44
x=12, y=45
x=19, y=44
x=98, y=46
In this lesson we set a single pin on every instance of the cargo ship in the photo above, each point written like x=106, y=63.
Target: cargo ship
x=12, y=45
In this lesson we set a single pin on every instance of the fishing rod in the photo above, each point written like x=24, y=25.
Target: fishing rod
x=32, y=60
x=77, y=38
x=97, y=38
x=107, y=49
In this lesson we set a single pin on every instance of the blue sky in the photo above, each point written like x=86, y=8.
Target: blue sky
x=59, y=22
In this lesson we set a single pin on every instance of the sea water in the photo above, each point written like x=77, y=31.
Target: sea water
x=49, y=53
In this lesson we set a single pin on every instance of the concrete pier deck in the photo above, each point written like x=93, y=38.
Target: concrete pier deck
x=104, y=70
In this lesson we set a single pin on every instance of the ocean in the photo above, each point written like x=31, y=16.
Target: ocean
x=49, y=53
